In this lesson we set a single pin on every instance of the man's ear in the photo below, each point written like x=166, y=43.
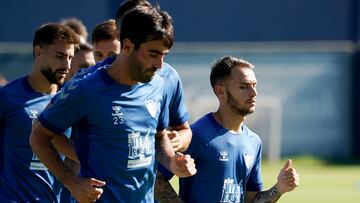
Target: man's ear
x=127, y=46
x=37, y=51
x=220, y=91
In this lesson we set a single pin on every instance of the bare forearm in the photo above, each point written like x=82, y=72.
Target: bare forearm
x=269, y=196
x=64, y=146
x=44, y=150
x=164, y=150
x=185, y=134
x=164, y=192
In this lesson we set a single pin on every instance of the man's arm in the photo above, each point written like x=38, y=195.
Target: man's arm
x=164, y=192
x=180, y=137
x=64, y=146
x=287, y=181
x=61, y=143
x=268, y=196
x=83, y=189
x=181, y=165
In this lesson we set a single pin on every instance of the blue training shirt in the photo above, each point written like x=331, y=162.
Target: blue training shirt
x=117, y=124
x=23, y=177
x=227, y=163
x=178, y=113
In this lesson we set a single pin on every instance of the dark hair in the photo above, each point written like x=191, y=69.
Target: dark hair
x=104, y=31
x=127, y=6
x=143, y=24
x=221, y=70
x=47, y=33
x=77, y=25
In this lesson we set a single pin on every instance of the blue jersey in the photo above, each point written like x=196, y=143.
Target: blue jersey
x=227, y=163
x=178, y=113
x=23, y=177
x=116, y=125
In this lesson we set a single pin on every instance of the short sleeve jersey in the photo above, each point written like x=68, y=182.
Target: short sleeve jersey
x=228, y=164
x=173, y=86
x=23, y=178
x=116, y=125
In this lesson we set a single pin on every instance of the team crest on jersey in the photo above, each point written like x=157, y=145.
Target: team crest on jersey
x=224, y=156
x=33, y=113
x=248, y=158
x=153, y=107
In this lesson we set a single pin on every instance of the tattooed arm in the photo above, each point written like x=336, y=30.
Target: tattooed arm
x=164, y=192
x=269, y=196
x=179, y=164
x=287, y=181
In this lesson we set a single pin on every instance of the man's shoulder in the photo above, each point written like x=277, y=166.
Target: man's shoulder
x=252, y=135
x=204, y=126
x=16, y=87
x=168, y=72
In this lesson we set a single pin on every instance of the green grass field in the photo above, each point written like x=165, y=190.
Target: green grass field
x=320, y=182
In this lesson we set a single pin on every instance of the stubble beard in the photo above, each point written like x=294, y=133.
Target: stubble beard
x=138, y=72
x=235, y=106
x=51, y=75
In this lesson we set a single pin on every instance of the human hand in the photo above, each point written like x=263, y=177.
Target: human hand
x=182, y=165
x=86, y=190
x=176, y=140
x=288, y=178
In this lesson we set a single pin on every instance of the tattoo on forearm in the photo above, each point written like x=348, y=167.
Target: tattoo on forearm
x=269, y=196
x=164, y=192
x=164, y=150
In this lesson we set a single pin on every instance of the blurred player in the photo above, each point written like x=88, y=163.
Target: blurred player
x=24, y=178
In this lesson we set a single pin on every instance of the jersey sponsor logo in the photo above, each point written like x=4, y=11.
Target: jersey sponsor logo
x=36, y=164
x=117, y=114
x=231, y=192
x=153, y=107
x=224, y=156
x=248, y=158
x=140, y=150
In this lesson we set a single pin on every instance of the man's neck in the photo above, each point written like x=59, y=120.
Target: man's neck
x=119, y=71
x=229, y=120
x=40, y=84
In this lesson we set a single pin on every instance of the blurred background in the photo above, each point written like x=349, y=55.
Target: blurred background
x=306, y=57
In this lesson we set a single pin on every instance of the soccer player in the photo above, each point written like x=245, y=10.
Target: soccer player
x=83, y=58
x=105, y=41
x=227, y=154
x=120, y=110
x=179, y=131
x=78, y=26
x=23, y=177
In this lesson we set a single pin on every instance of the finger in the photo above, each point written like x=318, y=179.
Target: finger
x=287, y=165
x=97, y=183
x=171, y=134
x=98, y=191
x=174, y=142
x=184, y=160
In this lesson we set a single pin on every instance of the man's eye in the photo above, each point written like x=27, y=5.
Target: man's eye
x=59, y=56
